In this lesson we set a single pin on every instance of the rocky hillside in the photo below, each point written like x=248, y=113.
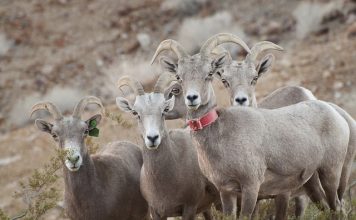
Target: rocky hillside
x=61, y=50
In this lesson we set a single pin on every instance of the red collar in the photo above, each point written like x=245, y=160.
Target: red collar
x=200, y=123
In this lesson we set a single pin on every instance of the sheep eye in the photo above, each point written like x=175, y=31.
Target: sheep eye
x=254, y=80
x=55, y=137
x=86, y=131
x=226, y=84
x=136, y=114
x=210, y=75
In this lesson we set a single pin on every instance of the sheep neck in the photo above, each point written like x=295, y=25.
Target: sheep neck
x=160, y=163
x=80, y=184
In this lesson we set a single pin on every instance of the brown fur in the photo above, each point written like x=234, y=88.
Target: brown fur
x=107, y=185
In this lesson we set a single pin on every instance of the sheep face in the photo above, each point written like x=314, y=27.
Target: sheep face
x=70, y=133
x=150, y=111
x=240, y=79
x=180, y=109
x=195, y=74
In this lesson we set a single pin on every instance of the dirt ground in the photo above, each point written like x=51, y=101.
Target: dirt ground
x=61, y=50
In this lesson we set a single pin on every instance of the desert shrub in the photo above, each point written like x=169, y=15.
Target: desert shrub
x=38, y=191
x=117, y=117
x=3, y=216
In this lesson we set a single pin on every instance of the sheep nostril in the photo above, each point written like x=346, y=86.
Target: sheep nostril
x=241, y=100
x=191, y=98
x=152, y=138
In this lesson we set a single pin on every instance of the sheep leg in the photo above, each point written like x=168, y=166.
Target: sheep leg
x=155, y=215
x=256, y=210
x=228, y=200
x=248, y=200
x=207, y=215
x=330, y=182
x=281, y=202
x=315, y=192
x=301, y=203
x=345, y=176
x=189, y=212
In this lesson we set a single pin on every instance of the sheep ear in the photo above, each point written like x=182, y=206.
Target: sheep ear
x=168, y=64
x=265, y=65
x=93, y=121
x=42, y=125
x=169, y=104
x=123, y=104
x=220, y=60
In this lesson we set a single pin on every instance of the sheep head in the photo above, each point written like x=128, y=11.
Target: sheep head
x=196, y=72
x=150, y=109
x=69, y=132
x=240, y=78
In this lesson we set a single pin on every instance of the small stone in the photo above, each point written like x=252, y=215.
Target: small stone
x=253, y=29
x=124, y=35
x=47, y=69
x=286, y=63
x=273, y=28
x=130, y=46
x=144, y=40
x=337, y=95
x=321, y=31
x=351, y=19
x=351, y=31
x=326, y=74
x=63, y=2
x=333, y=15
x=99, y=62
x=338, y=85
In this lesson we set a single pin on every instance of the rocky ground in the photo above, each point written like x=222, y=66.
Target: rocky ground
x=61, y=50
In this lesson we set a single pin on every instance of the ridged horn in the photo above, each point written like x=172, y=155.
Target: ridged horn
x=260, y=47
x=50, y=107
x=170, y=45
x=163, y=81
x=221, y=38
x=132, y=83
x=219, y=50
x=79, y=108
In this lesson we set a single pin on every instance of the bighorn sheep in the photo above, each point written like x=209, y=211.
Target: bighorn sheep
x=171, y=180
x=179, y=111
x=292, y=144
x=100, y=186
x=240, y=79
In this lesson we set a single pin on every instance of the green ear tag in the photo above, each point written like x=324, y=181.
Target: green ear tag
x=94, y=132
x=93, y=124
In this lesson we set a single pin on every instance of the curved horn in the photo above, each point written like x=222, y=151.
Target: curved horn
x=219, y=50
x=218, y=39
x=50, y=107
x=79, y=108
x=163, y=81
x=170, y=45
x=260, y=47
x=132, y=83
